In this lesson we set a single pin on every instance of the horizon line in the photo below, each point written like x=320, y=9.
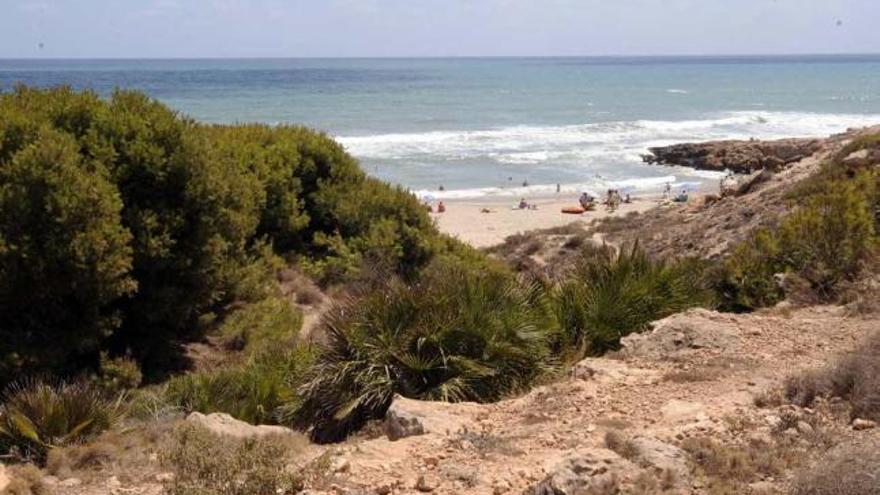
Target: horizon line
x=448, y=57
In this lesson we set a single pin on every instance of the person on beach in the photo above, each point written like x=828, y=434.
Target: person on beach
x=628, y=199
x=441, y=188
x=667, y=191
x=441, y=208
x=558, y=188
x=586, y=201
x=523, y=204
x=525, y=183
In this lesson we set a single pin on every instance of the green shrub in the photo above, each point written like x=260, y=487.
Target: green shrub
x=208, y=464
x=270, y=322
x=252, y=392
x=608, y=295
x=824, y=242
x=747, y=278
x=455, y=334
x=827, y=241
x=124, y=224
x=116, y=375
x=64, y=257
x=37, y=416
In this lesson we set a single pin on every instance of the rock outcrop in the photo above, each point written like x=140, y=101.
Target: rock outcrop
x=682, y=333
x=408, y=417
x=741, y=157
x=586, y=472
x=224, y=424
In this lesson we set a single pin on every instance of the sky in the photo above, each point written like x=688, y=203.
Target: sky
x=432, y=28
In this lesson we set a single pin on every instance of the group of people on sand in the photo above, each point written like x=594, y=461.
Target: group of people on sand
x=613, y=199
x=681, y=197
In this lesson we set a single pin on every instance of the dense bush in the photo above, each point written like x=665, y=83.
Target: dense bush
x=64, y=256
x=825, y=241
x=456, y=334
x=37, y=416
x=122, y=223
x=609, y=294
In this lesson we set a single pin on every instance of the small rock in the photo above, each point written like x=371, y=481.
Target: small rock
x=340, y=465
x=70, y=482
x=383, y=490
x=422, y=485
x=165, y=477
x=859, y=424
x=804, y=428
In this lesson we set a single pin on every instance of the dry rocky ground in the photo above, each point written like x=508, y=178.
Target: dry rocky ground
x=631, y=423
x=692, y=406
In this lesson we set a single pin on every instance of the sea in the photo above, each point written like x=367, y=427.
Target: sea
x=482, y=127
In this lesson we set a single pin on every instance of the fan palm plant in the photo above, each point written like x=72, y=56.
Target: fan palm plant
x=37, y=416
x=455, y=335
x=609, y=295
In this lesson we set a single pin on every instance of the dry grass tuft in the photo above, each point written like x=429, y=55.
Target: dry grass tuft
x=621, y=444
x=26, y=479
x=208, y=464
x=851, y=468
x=854, y=377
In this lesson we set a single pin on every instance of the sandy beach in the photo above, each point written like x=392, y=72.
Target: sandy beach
x=466, y=219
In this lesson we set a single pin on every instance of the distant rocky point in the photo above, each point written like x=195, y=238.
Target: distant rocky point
x=741, y=157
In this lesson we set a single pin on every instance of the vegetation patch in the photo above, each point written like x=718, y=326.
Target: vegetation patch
x=36, y=417
x=608, y=295
x=208, y=464
x=456, y=334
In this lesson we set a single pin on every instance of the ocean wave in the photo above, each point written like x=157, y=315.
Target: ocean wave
x=596, y=141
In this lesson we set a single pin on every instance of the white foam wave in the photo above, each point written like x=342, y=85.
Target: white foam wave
x=610, y=148
x=538, y=144
x=677, y=91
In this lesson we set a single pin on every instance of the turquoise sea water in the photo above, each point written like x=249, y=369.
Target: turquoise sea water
x=484, y=126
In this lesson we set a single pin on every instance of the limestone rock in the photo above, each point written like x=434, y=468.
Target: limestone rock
x=224, y=424
x=408, y=417
x=682, y=333
x=661, y=456
x=582, y=473
x=738, y=156
x=400, y=423
x=863, y=424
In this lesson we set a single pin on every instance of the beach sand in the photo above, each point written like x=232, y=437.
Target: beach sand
x=464, y=219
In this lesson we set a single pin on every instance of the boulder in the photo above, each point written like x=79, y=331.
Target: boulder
x=400, y=423
x=224, y=424
x=661, y=456
x=683, y=333
x=585, y=472
x=408, y=417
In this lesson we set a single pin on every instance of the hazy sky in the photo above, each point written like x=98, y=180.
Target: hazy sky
x=315, y=28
